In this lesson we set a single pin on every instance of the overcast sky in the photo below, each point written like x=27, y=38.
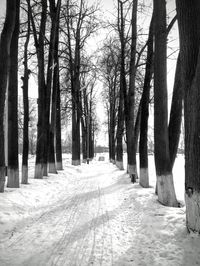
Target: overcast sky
x=2, y=7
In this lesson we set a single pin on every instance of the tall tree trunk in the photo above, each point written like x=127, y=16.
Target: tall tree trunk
x=84, y=124
x=76, y=106
x=26, y=109
x=122, y=90
x=129, y=100
x=5, y=41
x=39, y=44
x=91, y=155
x=55, y=15
x=143, y=144
x=52, y=127
x=13, y=163
x=120, y=133
x=59, y=163
x=136, y=135
x=165, y=185
x=113, y=119
x=74, y=64
x=176, y=113
x=112, y=137
x=189, y=25
x=84, y=139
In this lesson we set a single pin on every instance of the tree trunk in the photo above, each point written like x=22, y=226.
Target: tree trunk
x=39, y=44
x=74, y=65
x=53, y=76
x=113, y=119
x=52, y=128
x=176, y=113
x=143, y=144
x=165, y=185
x=26, y=109
x=120, y=133
x=76, y=107
x=84, y=140
x=189, y=25
x=136, y=135
x=13, y=163
x=129, y=100
x=91, y=153
x=59, y=163
x=5, y=41
x=122, y=90
x=112, y=132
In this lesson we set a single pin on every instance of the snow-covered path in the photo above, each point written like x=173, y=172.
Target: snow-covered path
x=97, y=217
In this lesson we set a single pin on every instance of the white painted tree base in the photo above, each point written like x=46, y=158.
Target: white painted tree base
x=166, y=192
x=24, y=174
x=193, y=212
x=76, y=162
x=59, y=166
x=144, y=177
x=113, y=161
x=38, y=171
x=84, y=161
x=52, y=168
x=2, y=179
x=132, y=170
x=45, y=172
x=13, y=178
x=120, y=165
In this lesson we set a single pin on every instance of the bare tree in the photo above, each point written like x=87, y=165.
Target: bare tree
x=189, y=25
x=52, y=76
x=165, y=185
x=39, y=45
x=123, y=88
x=25, y=87
x=13, y=164
x=129, y=99
x=143, y=145
x=109, y=71
x=81, y=23
x=5, y=42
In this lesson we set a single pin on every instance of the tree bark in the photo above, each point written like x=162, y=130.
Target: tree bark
x=39, y=44
x=136, y=135
x=59, y=163
x=165, y=185
x=112, y=120
x=74, y=65
x=122, y=91
x=13, y=163
x=176, y=113
x=84, y=140
x=189, y=30
x=5, y=41
x=143, y=143
x=26, y=108
x=129, y=100
x=52, y=84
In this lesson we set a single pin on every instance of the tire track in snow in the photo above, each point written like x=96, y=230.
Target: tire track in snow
x=79, y=230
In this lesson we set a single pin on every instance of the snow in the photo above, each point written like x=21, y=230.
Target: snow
x=93, y=215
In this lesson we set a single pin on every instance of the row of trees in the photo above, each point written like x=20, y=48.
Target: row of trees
x=129, y=65
x=54, y=35
x=46, y=39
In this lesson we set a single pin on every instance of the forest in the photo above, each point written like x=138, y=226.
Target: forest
x=76, y=58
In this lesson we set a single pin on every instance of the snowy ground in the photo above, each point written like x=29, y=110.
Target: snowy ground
x=94, y=215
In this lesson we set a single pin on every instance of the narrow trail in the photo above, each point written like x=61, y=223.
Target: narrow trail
x=97, y=222
x=77, y=230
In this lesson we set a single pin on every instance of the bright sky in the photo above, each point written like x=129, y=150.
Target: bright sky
x=2, y=7
x=108, y=7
